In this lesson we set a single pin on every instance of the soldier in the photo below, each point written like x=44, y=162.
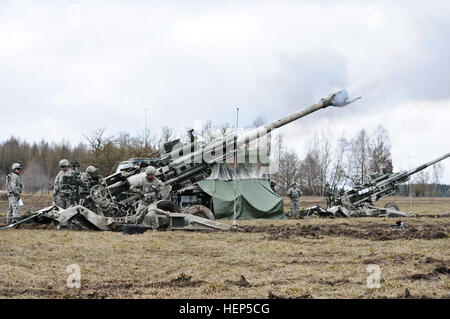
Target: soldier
x=90, y=178
x=61, y=194
x=274, y=186
x=14, y=189
x=328, y=195
x=294, y=194
x=149, y=187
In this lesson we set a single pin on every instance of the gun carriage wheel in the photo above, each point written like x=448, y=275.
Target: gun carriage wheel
x=99, y=195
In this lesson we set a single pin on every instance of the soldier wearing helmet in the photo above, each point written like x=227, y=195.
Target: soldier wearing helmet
x=14, y=189
x=90, y=178
x=61, y=193
x=294, y=194
x=149, y=188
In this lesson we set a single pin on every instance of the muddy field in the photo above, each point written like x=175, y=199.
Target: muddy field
x=314, y=258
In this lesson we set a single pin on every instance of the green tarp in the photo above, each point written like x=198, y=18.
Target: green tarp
x=254, y=197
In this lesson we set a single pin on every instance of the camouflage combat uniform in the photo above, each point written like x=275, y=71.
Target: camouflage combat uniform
x=294, y=195
x=328, y=195
x=89, y=181
x=150, y=192
x=62, y=196
x=274, y=187
x=14, y=189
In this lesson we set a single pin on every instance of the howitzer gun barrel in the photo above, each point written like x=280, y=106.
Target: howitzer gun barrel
x=338, y=99
x=422, y=167
x=231, y=143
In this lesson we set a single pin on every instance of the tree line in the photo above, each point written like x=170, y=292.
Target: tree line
x=342, y=162
x=338, y=161
x=40, y=160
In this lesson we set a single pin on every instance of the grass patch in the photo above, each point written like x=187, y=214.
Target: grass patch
x=259, y=264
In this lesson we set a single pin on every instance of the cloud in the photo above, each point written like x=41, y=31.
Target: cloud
x=70, y=67
x=415, y=128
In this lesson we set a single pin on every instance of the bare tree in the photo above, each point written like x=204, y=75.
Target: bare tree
x=104, y=153
x=288, y=168
x=437, y=173
x=259, y=121
x=421, y=183
x=208, y=133
x=338, y=167
x=225, y=129
x=315, y=167
x=309, y=168
x=380, y=152
x=358, y=158
x=323, y=146
x=165, y=136
x=289, y=171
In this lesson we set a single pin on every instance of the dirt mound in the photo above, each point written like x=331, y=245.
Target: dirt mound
x=442, y=270
x=407, y=295
x=273, y=296
x=181, y=281
x=242, y=282
x=332, y=282
x=371, y=231
x=432, y=260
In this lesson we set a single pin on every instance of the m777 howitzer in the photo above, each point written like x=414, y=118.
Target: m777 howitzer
x=112, y=206
x=359, y=200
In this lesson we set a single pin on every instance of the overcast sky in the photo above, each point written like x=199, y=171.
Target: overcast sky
x=68, y=68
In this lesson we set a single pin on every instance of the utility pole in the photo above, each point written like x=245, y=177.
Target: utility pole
x=235, y=224
x=410, y=202
x=145, y=133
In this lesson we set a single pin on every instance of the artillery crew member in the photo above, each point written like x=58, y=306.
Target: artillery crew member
x=14, y=189
x=149, y=187
x=294, y=194
x=90, y=178
x=61, y=194
x=328, y=195
x=274, y=186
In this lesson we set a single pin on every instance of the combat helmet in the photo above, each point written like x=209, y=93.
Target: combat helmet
x=91, y=169
x=150, y=170
x=16, y=166
x=64, y=163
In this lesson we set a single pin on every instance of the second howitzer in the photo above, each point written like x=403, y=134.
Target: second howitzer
x=111, y=205
x=360, y=199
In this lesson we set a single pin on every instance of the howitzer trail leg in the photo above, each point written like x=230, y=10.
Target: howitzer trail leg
x=96, y=221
